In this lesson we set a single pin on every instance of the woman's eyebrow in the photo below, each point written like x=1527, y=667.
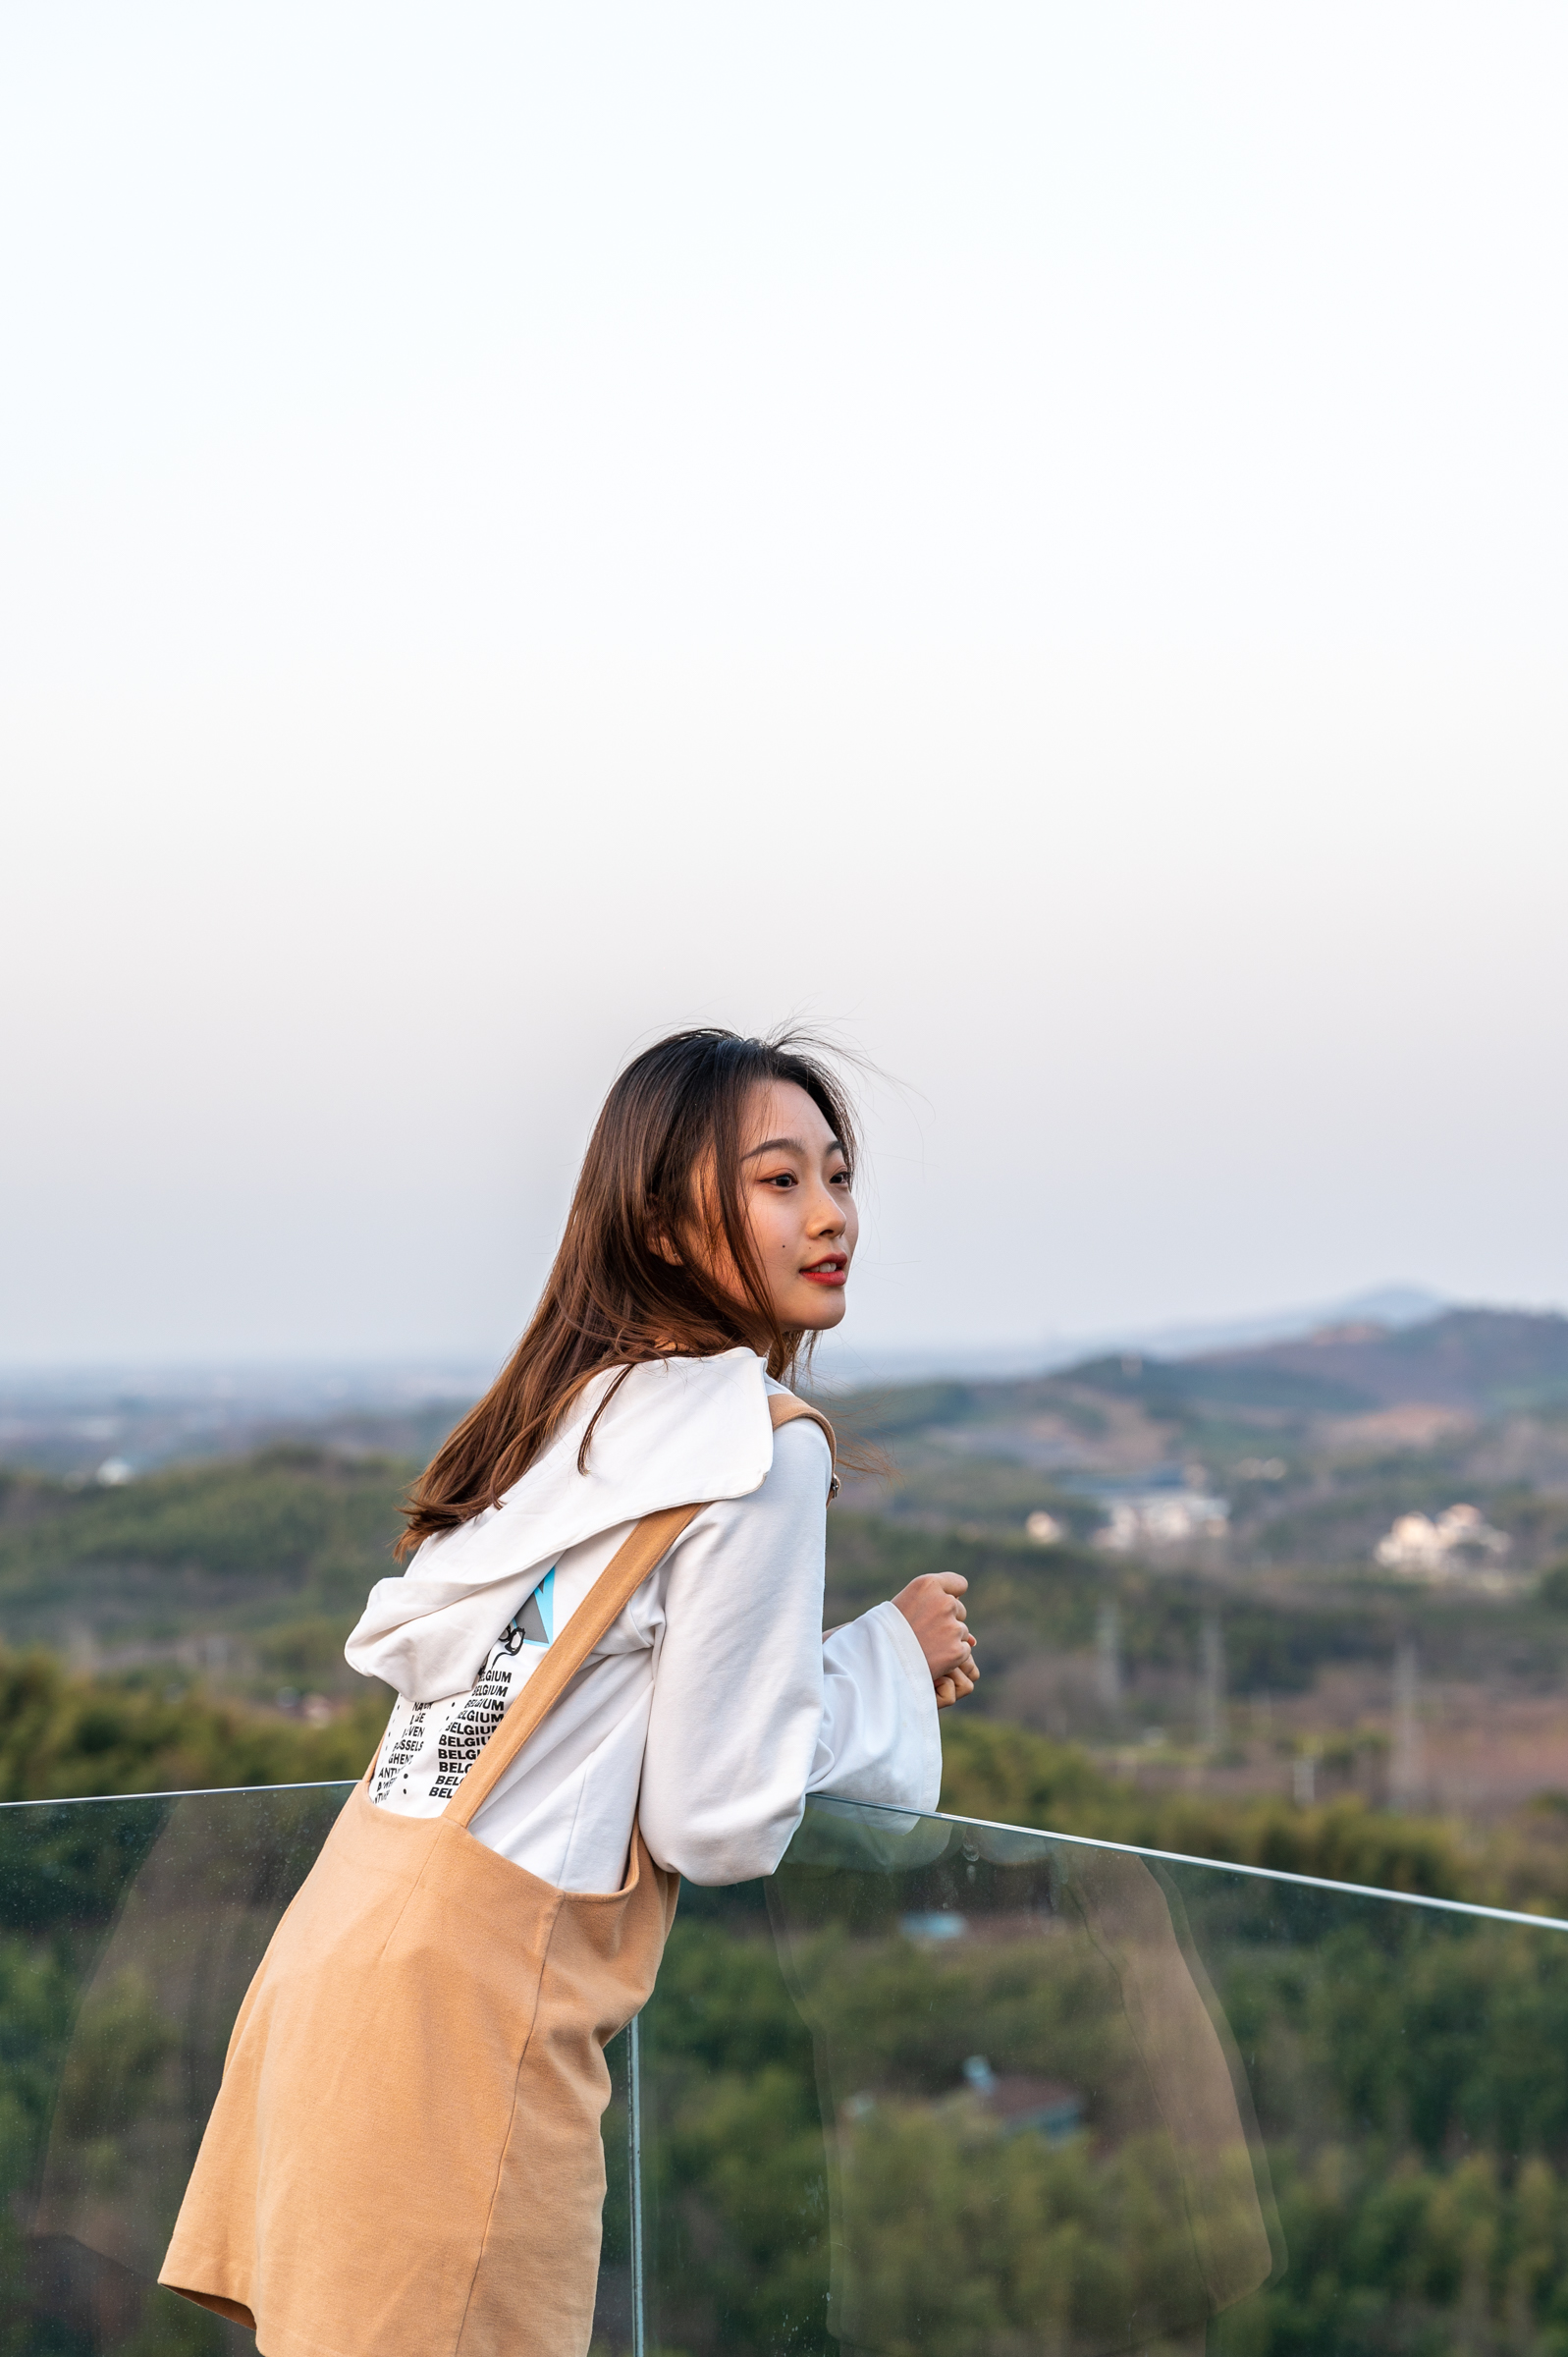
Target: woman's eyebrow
x=791, y=1146
x=775, y=1145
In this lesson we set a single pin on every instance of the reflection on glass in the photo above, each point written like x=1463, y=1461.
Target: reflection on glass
x=1081, y=2177
x=947, y=2088
x=128, y=1932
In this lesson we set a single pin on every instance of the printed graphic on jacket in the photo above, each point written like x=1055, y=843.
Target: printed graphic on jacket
x=430, y=1746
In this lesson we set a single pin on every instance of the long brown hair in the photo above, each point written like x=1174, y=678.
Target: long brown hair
x=663, y=1167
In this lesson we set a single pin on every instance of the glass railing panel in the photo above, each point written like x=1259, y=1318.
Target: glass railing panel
x=937, y=2087
x=959, y=2091
x=128, y=1932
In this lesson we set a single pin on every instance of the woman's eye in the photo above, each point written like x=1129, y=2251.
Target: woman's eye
x=780, y=1178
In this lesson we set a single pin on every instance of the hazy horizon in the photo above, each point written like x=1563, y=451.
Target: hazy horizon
x=839, y=1358
x=1033, y=541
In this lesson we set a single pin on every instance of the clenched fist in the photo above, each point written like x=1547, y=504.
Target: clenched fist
x=931, y=1605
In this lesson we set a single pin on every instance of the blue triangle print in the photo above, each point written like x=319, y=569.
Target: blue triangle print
x=537, y=1619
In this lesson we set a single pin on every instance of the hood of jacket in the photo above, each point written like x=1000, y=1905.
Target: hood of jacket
x=679, y=1431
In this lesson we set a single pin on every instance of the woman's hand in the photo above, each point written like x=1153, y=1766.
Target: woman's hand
x=931, y=1606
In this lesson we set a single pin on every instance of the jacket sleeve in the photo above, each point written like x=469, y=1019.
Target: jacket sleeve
x=751, y=1709
x=880, y=1737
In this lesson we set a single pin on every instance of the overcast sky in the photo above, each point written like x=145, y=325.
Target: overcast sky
x=1031, y=538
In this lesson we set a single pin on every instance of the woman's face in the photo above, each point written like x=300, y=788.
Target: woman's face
x=795, y=1186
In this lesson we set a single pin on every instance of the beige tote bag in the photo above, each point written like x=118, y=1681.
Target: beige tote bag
x=404, y=2157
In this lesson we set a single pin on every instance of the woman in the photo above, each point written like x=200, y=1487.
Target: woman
x=610, y=1670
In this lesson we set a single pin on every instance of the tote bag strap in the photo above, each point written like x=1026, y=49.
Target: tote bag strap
x=617, y=1584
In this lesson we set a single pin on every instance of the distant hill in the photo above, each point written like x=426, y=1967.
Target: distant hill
x=1487, y=1363
x=1490, y=1361
x=1318, y=1442
x=247, y=1572
x=252, y=1569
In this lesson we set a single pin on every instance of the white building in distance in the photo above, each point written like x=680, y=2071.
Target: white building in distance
x=1458, y=1549
x=1159, y=1519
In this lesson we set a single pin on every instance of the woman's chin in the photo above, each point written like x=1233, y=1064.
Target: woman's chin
x=822, y=1311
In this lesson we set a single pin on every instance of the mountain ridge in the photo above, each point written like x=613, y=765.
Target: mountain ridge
x=1478, y=1360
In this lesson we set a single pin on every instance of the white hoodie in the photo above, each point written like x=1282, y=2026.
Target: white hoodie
x=712, y=1707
